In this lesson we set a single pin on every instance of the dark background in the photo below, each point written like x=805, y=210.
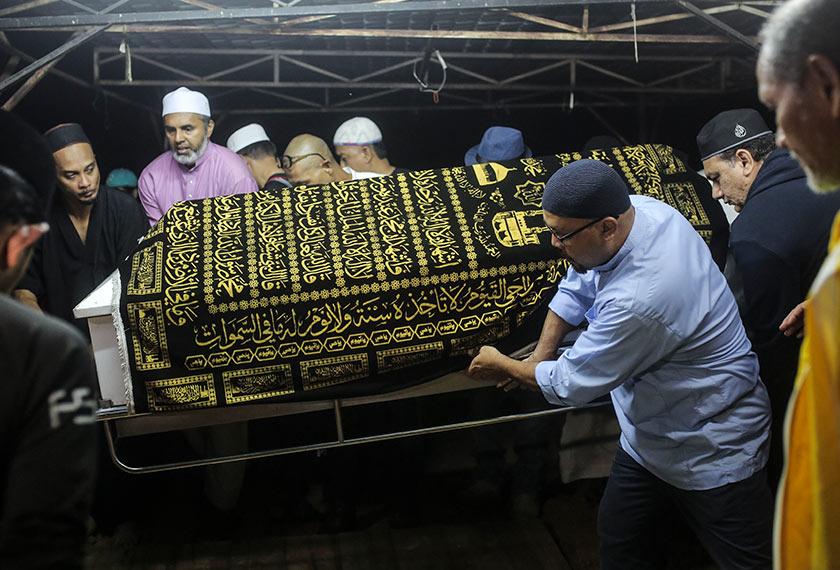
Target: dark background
x=125, y=136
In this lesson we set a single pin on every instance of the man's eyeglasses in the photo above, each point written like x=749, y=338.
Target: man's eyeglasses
x=287, y=161
x=564, y=238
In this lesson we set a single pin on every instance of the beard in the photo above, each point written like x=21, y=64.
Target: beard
x=192, y=156
x=821, y=184
x=580, y=269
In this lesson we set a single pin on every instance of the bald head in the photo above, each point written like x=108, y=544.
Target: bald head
x=311, y=161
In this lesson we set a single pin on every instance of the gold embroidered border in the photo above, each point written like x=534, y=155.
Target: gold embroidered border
x=251, y=249
x=390, y=285
x=458, y=209
x=416, y=237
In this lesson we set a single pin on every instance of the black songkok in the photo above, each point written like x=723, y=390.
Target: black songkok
x=729, y=130
x=586, y=189
x=64, y=135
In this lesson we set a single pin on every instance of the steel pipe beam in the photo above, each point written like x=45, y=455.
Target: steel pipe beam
x=410, y=86
x=294, y=11
x=409, y=54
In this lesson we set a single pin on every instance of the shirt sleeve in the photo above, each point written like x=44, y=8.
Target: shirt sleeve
x=618, y=344
x=242, y=181
x=146, y=193
x=50, y=476
x=574, y=296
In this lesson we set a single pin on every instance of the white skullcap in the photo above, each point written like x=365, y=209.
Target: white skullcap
x=247, y=135
x=184, y=100
x=357, y=131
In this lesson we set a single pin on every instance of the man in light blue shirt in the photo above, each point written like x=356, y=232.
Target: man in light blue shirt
x=664, y=339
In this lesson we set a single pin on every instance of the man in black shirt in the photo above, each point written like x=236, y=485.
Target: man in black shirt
x=94, y=228
x=47, y=384
x=777, y=244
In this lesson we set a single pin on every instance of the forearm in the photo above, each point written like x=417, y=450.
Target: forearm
x=28, y=298
x=553, y=332
x=523, y=371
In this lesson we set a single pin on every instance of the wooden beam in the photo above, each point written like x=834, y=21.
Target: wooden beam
x=722, y=26
x=754, y=11
x=79, y=37
x=10, y=66
x=208, y=6
x=27, y=86
x=10, y=49
x=233, y=14
x=24, y=6
x=543, y=21
x=435, y=34
x=659, y=20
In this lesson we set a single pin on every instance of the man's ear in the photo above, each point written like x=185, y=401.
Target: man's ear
x=210, y=126
x=609, y=227
x=745, y=160
x=18, y=243
x=368, y=152
x=827, y=76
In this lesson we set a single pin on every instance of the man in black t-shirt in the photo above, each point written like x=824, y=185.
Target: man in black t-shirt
x=47, y=385
x=94, y=228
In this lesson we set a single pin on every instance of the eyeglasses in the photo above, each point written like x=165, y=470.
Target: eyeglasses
x=564, y=238
x=287, y=161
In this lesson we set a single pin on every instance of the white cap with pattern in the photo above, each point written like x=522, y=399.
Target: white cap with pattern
x=357, y=131
x=184, y=100
x=247, y=135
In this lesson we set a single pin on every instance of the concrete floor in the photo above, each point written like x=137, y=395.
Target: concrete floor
x=164, y=522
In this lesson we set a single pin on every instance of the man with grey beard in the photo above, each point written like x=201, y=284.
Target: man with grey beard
x=799, y=77
x=192, y=167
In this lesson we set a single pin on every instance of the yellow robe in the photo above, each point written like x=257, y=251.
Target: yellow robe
x=807, y=529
